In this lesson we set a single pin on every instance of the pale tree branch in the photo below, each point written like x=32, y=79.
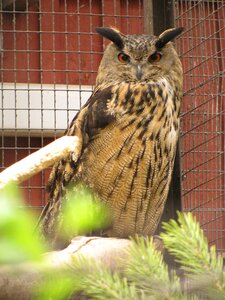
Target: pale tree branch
x=40, y=160
x=19, y=282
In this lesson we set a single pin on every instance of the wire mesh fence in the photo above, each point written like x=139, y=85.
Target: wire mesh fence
x=50, y=53
x=49, y=59
x=202, y=49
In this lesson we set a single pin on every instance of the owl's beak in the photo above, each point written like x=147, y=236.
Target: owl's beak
x=139, y=72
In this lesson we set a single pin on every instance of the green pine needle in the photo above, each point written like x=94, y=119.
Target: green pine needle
x=100, y=283
x=146, y=268
x=185, y=240
x=144, y=261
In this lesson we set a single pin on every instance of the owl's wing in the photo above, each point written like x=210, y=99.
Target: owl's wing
x=92, y=117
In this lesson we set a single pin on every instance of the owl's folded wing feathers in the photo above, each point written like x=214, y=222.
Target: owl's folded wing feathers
x=92, y=117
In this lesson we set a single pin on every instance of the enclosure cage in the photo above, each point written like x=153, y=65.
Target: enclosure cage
x=50, y=53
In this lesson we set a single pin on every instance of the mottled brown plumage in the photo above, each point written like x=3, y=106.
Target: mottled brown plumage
x=128, y=131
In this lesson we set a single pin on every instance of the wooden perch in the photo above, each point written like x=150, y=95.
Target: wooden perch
x=19, y=282
x=40, y=160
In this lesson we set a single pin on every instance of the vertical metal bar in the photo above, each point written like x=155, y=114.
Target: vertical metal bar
x=55, y=73
x=79, y=51
x=220, y=204
x=148, y=16
x=91, y=41
x=40, y=9
x=2, y=159
x=28, y=94
x=15, y=73
x=163, y=16
x=43, y=191
x=67, y=61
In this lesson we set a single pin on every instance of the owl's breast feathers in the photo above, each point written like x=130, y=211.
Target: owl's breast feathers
x=129, y=133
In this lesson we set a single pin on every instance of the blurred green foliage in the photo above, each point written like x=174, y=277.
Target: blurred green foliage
x=83, y=214
x=17, y=241
x=145, y=275
x=56, y=286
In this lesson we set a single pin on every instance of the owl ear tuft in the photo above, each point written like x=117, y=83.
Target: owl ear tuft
x=112, y=35
x=167, y=36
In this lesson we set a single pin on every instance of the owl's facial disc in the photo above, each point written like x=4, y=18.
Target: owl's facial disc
x=134, y=58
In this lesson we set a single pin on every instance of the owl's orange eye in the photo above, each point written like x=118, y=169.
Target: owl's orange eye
x=155, y=57
x=122, y=57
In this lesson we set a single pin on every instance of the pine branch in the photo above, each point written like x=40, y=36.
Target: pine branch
x=100, y=283
x=146, y=268
x=185, y=240
x=104, y=285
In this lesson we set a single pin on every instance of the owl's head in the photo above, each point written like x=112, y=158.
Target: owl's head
x=138, y=58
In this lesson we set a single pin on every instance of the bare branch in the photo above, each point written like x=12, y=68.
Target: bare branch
x=18, y=282
x=40, y=160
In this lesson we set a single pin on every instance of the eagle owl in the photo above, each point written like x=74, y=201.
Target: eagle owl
x=128, y=132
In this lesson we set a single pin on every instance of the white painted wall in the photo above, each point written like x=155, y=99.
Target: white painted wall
x=39, y=108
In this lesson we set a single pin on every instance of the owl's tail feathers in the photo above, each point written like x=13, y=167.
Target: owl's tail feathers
x=49, y=221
